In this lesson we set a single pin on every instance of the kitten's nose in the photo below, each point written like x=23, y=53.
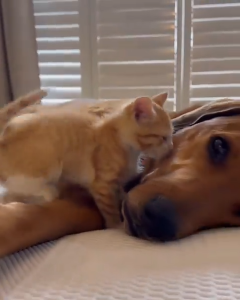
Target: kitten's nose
x=159, y=219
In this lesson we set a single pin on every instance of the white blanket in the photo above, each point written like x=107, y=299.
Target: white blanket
x=109, y=265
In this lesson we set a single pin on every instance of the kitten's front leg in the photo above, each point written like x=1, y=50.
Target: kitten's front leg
x=108, y=198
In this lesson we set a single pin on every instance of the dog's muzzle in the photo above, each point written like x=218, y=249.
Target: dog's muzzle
x=157, y=221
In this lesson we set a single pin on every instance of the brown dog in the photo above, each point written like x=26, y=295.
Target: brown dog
x=197, y=186
x=23, y=225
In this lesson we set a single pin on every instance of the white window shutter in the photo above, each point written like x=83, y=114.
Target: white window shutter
x=111, y=49
x=106, y=49
x=215, y=60
x=62, y=30
x=134, y=48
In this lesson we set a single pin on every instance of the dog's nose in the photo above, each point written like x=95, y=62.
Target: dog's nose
x=159, y=219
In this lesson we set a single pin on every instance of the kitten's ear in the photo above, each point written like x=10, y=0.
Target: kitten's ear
x=160, y=99
x=143, y=109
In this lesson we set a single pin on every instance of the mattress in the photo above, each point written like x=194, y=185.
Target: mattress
x=109, y=265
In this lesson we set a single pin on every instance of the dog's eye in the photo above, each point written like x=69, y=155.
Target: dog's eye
x=218, y=149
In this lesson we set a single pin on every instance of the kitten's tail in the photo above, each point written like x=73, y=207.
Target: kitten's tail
x=11, y=109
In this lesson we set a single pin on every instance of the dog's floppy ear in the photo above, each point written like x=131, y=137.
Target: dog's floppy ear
x=220, y=108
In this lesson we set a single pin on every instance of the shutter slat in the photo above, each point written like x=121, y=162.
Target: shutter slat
x=57, y=32
x=147, y=42
x=216, y=26
x=220, y=91
x=216, y=65
x=61, y=82
x=140, y=69
x=59, y=70
x=216, y=52
x=144, y=16
x=207, y=12
x=134, y=4
x=58, y=58
x=207, y=2
x=62, y=19
x=61, y=93
x=218, y=38
x=216, y=78
x=140, y=55
x=138, y=81
x=133, y=92
x=136, y=29
x=203, y=101
x=52, y=6
x=59, y=45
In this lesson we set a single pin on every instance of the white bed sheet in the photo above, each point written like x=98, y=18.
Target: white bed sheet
x=109, y=265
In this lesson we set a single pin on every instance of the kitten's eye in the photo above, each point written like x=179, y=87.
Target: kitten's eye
x=165, y=138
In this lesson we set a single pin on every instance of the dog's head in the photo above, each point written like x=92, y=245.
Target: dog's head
x=198, y=185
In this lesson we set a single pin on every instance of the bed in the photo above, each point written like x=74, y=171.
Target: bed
x=109, y=265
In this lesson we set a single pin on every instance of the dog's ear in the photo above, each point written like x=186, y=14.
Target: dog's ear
x=220, y=108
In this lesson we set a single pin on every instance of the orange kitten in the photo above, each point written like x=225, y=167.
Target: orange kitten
x=96, y=146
